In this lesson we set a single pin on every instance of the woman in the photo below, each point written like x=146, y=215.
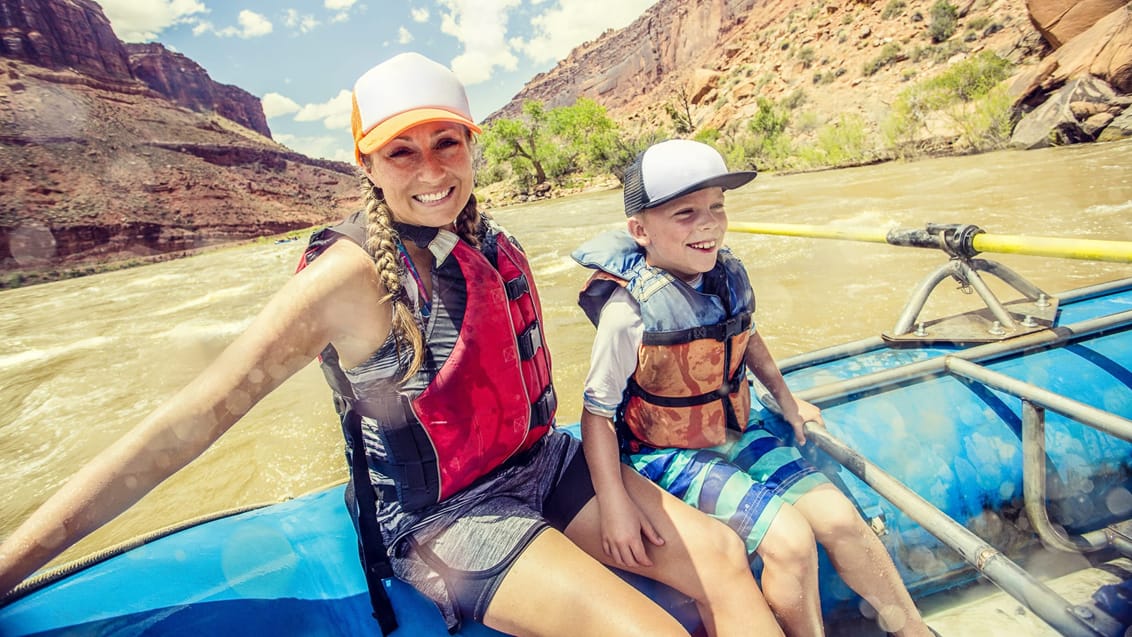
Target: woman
x=427, y=327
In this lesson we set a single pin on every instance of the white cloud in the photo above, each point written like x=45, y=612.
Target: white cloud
x=559, y=29
x=303, y=22
x=326, y=146
x=481, y=26
x=419, y=15
x=334, y=113
x=275, y=105
x=251, y=25
x=144, y=20
x=403, y=36
x=341, y=9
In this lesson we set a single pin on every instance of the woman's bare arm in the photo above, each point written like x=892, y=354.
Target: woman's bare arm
x=295, y=325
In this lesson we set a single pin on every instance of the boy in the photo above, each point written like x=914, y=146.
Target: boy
x=667, y=390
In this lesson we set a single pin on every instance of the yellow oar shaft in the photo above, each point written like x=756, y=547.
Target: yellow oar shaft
x=813, y=232
x=1088, y=249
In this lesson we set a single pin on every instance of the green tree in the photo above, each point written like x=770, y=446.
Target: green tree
x=585, y=134
x=521, y=142
x=547, y=145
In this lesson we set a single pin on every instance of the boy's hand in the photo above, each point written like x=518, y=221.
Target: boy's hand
x=804, y=413
x=622, y=528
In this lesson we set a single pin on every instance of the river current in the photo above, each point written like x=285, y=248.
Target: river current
x=83, y=360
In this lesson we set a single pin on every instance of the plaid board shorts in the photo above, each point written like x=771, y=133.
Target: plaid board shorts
x=742, y=483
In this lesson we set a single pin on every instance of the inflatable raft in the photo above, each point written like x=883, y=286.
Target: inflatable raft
x=969, y=442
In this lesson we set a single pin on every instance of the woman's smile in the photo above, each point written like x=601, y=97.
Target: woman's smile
x=434, y=197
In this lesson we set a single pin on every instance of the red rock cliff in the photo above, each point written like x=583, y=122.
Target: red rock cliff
x=75, y=34
x=188, y=84
x=99, y=159
x=59, y=34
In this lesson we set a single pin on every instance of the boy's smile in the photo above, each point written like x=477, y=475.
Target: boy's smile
x=682, y=236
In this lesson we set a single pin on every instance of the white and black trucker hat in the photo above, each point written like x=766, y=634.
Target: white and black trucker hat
x=674, y=168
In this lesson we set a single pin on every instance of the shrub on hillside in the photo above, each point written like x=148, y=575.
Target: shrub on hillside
x=965, y=96
x=945, y=17
x=840, y=143
x=888, y=55
x=893, y=9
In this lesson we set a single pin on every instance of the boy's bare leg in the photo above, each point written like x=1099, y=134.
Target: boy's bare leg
x=862, y=560
x=790, y=573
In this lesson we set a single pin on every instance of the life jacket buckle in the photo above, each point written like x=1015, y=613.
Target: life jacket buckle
x=529, y=342
x=542, y=411
x=517, y=287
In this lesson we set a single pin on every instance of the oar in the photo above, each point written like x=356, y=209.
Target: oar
x=955, y=239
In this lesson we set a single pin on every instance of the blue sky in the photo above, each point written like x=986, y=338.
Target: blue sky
x=300, y=57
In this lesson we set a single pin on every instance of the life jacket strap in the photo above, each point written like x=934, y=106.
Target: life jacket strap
x=677, y=401
x=416, y=480
x=375, y=559
x=720, y=332
x=542, y=411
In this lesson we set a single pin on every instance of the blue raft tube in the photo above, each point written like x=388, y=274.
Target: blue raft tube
x=969, y=443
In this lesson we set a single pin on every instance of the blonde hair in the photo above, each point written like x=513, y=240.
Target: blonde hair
x=381, y=244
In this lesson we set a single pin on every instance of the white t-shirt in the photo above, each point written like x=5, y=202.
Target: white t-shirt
x=613, y=358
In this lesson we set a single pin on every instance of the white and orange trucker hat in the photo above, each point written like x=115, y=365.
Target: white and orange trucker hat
x=401, y=92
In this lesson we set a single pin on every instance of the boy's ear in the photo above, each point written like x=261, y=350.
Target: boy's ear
x=637, y=231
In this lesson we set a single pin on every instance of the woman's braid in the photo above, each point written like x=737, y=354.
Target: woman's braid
x=381, y=244
x=468, y=223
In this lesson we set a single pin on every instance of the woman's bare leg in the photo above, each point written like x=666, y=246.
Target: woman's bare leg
x=790, y=573
x=861, y=559
x=554, y=588
x=701, y=557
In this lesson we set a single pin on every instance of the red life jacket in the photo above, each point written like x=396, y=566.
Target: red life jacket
x=483, y=393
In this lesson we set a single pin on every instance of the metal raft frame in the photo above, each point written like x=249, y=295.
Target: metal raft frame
x=1085, y=620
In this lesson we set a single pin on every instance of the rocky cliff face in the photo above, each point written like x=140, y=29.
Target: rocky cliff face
x=188, y=84
x=722, y=55
x=59, y=34
x=625, y=67
x=75, y=34
x=99, y=160
x=1059, y=21
x=713, y=59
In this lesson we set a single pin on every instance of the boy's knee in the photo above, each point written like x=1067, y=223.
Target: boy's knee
x=790, y=540
x=725, y=543
x=831, y=514
x=839, y=520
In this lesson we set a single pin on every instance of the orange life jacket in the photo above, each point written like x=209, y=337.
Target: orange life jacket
x=690, y=384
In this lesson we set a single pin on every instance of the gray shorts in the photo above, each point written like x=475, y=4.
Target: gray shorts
x=459, y=550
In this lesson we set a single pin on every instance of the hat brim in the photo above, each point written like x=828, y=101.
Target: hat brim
x=727, y=181
x=387, y=130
